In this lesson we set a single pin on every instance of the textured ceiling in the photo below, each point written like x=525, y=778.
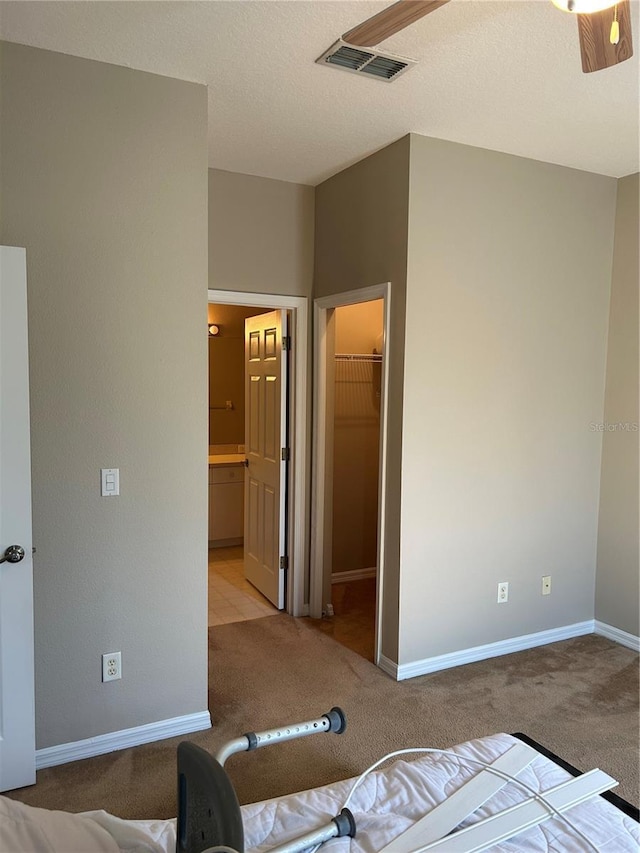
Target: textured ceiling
x=503, y=75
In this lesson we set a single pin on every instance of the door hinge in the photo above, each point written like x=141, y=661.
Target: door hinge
x=284, y=563
x=286, y=343
x=285, y=455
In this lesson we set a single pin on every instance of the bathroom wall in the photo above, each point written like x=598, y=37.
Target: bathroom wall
x=358, y=329
x=226, y=372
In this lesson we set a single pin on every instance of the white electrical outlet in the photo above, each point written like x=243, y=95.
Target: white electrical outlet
x=503, y=592
x=112, y=666
x=546, y=585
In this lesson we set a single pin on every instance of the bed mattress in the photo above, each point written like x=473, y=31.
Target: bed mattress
x=391, y=799
x=388, y=802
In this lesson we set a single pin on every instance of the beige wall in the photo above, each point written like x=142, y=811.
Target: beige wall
x=356, y=438
x=361, y=240
x=617, y=591
x=359, y=327
x=103, y=179
x=260, y=234
x=507, y=299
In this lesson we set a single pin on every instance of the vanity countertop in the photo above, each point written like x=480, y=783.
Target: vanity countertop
x=224, y=459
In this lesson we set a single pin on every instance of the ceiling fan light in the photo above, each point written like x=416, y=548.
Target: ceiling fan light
x=583, y=7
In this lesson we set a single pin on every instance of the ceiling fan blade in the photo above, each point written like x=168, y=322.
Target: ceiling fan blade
x=390, y=21
x=596, y=50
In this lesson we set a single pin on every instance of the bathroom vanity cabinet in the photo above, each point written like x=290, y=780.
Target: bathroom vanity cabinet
x=226, y=503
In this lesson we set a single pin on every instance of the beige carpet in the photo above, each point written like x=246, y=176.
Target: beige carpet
x=578, y=697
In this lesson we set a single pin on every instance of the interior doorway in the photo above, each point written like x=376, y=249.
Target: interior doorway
x=254, y=363
x=352, y=335
x=232, y=598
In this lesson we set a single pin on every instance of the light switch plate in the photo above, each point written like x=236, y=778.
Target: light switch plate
x=109, y=482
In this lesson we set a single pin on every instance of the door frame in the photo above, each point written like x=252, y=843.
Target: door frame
x=319, y=521
x=297, y=378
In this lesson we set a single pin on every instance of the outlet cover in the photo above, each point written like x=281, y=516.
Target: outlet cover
x=112, y=666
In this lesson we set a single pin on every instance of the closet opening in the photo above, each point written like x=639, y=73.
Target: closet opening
x=346, y=588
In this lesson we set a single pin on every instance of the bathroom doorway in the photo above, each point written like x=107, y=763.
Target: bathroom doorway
x=236, y=469
x=350, y=429
x=232, y=598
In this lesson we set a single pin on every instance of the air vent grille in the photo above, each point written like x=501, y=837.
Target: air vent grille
x=383, y=66
x=349, y=57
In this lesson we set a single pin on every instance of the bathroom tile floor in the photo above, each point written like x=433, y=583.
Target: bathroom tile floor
x=231, y=597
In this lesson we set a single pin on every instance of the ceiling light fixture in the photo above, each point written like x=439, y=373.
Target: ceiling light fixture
x=592, y=7
x=583, y=7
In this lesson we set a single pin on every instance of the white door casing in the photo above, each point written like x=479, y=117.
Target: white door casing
x=265, y=435
x=17, y=707
x=298, y=480
x=322, y=446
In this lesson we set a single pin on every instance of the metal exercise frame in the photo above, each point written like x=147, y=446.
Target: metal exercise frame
x=209, y=814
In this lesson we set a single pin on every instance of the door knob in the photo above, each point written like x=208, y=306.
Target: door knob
x=13, y=554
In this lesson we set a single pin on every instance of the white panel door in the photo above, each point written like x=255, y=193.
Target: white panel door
x=265, y=431
x=17, y=714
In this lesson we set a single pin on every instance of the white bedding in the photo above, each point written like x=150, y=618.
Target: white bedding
x=387, y=803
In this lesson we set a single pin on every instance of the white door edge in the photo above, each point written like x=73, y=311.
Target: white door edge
x=17, y=698
x=285, y=326
x=265, y=437
x=298, y=479
x=322, y=306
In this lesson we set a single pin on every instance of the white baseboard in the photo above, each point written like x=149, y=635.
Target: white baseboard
x=490, y=650
x=388, y=666
x=51, y=756
x=618, y=635
x=353, y=575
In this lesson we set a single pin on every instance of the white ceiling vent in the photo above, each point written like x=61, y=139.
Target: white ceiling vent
x=384, y=66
